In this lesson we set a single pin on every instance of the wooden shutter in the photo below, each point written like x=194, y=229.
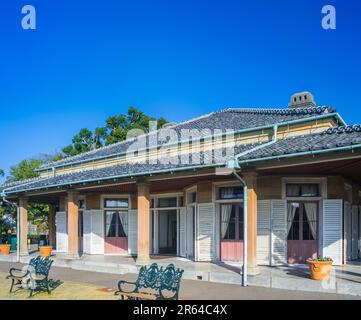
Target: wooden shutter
x=347, y=230
x=263, y=232
x=189, y=232
x=205, y=232
x=332, y=230
x=183, y=232
x=87, y=219
x=279, y=232
x=61, y=232
x=97, y=232
x=132, y=232
x=354, y=232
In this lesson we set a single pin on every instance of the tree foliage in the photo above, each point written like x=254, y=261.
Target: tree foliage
x=25, y=170
x=2, y=173
x=116, y=129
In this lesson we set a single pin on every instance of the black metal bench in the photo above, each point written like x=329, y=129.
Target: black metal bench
x=34, y=277
x=153, y=283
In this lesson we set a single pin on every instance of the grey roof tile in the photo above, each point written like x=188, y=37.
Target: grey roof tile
x=232, y=119
x=331, y=139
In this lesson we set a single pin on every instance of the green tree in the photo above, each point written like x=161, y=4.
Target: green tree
x=25, y=170
x=116, y=130
x=2, y=173
x=37, y=213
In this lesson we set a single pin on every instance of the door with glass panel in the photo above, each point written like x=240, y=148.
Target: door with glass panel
x=116, y=226
x=302, y=225
x=231, y=232
x=81, y=207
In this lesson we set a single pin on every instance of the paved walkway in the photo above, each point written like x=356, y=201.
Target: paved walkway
x=75, y=284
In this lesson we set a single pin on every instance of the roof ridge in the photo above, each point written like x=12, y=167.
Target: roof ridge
x=284, y=111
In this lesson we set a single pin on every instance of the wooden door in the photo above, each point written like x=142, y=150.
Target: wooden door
x=116, y=232
x=302, y=224
x=231, y=232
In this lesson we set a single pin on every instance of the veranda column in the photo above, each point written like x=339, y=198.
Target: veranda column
x=52, y=230
x=251, y=180
x=72, y=205
x=143, y=222
x=23, y=226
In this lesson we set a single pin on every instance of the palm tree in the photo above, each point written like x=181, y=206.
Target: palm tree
x=2, y=173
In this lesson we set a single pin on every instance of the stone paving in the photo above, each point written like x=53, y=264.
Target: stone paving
x=86, y=285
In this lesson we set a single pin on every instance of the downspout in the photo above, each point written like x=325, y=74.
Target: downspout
x=17, y=226
x=234, y=165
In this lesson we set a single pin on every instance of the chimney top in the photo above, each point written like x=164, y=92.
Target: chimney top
x=302, y=100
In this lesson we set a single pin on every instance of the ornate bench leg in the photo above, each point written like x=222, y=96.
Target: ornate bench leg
x=12, y=285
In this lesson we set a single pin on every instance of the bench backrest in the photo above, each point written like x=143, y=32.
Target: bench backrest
x=41, y=265
x=159, y=279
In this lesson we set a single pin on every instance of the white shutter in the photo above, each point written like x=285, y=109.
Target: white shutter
x=61, y=232
x=332, y=230
x=263, y=232
x=205, y=232
x=87, y=219
x=189, y=232
x=354, y=232
x=347, y=230
x=279, y=232
x=97, y=232
x=132, y=232
x=183, y=232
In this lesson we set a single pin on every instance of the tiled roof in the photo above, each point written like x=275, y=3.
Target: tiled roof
x=231, y=119
x=332, y=139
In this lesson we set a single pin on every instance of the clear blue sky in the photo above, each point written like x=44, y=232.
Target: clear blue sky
x=88, y=60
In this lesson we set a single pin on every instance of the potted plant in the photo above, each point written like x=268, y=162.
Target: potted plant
x=45, y=249
x=5, y=230
x=320, y=267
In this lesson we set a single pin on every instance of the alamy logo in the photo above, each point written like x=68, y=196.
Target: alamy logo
x=329, y=20
x=29, y=20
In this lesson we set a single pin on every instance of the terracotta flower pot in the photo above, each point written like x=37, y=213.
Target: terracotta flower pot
x=45, y=251
x=320, y=270
x=5, y=249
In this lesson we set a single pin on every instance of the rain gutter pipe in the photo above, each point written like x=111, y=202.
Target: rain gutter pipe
x=234, y=165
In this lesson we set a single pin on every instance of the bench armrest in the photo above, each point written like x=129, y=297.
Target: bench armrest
x=122, y=283
x=17, y=273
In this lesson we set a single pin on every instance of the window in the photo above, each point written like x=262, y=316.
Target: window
x=293, y=221
x=302, y=190
x=81, y=208
x=192, y=197
x=116, y=224
x=302, y=221
x=167, y=202
x=81, y=204
x=226, y=193
x=232, y=222
x=80, y=224
x=116, y=203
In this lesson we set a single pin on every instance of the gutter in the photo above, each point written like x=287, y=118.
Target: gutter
x=323, y=116
x=8, y=190
x=234, y=165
